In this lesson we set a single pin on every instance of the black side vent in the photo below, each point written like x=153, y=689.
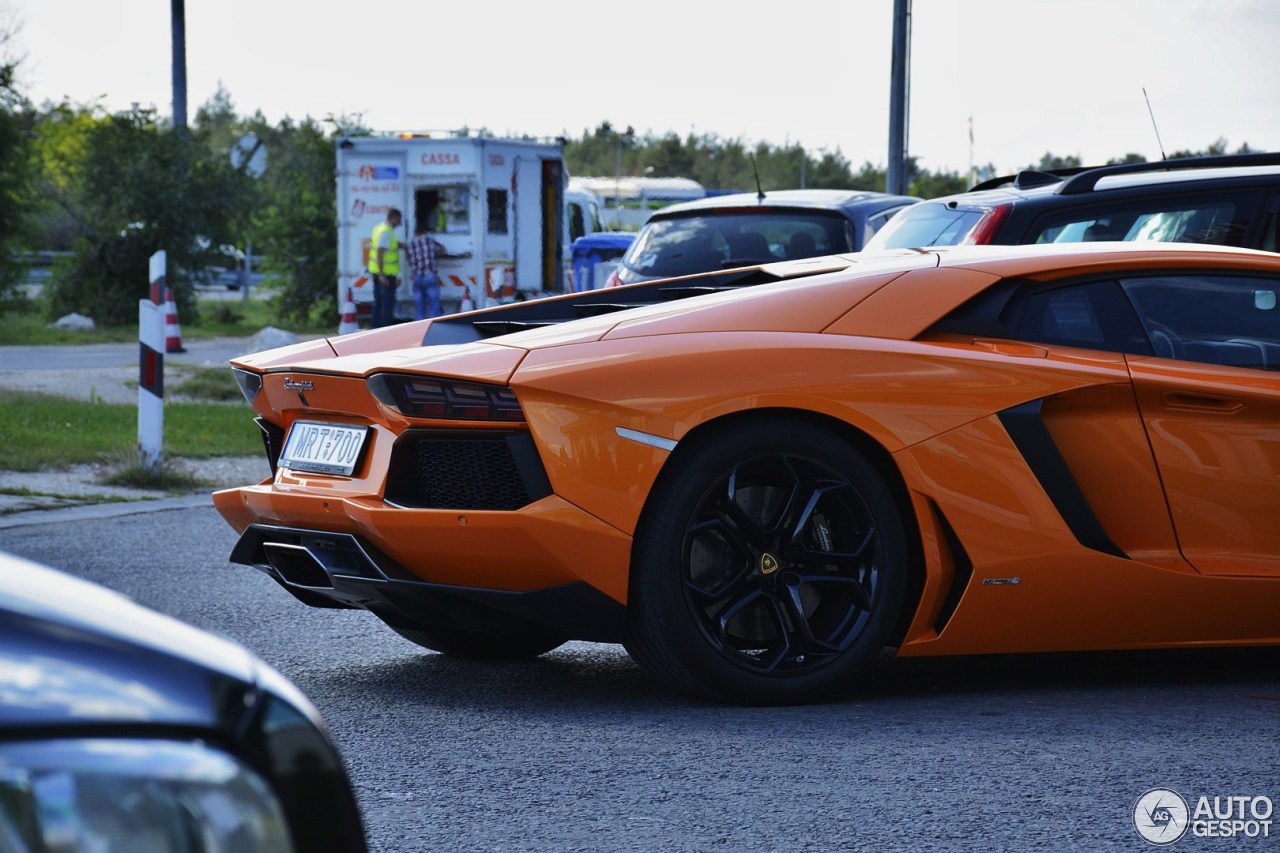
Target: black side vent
x=469, y=469
x=962, y=575
x=1031, y=436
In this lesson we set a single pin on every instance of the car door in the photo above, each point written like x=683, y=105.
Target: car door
x=1112, y=482
x=1210, y=400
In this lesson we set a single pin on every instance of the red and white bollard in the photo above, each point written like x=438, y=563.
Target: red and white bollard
x=151, y=347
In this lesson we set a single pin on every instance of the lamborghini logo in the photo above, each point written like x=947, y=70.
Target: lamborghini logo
x=768, y=563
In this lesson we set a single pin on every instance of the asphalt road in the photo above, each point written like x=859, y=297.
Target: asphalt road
x=580, y=750
x=212, y=352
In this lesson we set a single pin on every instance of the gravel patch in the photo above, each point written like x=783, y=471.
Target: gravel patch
x=81, y=484
x=114, y=384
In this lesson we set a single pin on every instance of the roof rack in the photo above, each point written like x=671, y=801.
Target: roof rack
x=1087, y=181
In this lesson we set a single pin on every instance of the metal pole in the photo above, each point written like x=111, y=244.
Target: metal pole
x=178, y=15
x=617, y=182
x=899, y=97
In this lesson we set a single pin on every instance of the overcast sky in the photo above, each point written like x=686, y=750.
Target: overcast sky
x=1033, y=75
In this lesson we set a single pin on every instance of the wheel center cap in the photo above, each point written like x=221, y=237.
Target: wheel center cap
x=768, y=563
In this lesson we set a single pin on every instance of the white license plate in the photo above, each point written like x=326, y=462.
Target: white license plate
x=323, y=448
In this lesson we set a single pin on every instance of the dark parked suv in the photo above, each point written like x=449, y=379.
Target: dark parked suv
x=747, y=229
x=1228, y=200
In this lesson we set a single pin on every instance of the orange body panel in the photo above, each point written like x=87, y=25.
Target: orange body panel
x=1216, y=435
x=545, y=544
x=1067, y=597
x=1184, y=501
x=883, y=317
x=1101, y=435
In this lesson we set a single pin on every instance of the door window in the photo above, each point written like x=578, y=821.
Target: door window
x=1092, y=315
x=496, y=201
x=1213, y=319
x=1222, y=221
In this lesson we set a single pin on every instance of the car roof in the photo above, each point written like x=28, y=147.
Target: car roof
x=1074, y=256
x=1083, y=181
x=809, y=199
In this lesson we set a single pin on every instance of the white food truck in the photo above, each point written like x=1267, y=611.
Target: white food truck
x=498, y=206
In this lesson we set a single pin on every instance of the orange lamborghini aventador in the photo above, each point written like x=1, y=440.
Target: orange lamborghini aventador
x=758, y=479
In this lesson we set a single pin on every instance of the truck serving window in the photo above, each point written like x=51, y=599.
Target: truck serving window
x=446, y=210
x=496, y=201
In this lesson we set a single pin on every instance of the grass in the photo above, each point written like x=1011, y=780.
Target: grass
x=28, y=324
x=206, y=383
x=131, y=471
x=39, y=431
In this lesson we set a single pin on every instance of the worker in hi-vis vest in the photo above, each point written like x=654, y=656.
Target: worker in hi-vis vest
x=384, y=264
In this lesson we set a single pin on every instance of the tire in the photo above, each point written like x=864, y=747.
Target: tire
x=769, y=566
x=480, y=645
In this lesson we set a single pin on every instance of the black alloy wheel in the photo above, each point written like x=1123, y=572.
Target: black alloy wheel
x=770, y=567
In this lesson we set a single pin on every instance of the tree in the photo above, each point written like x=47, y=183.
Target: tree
x=716, y=163
x=1131, y=157
x=297, y=225
x=669, y=157
x=1216, y=148
x=1050, y=162
x=15, y=171
x=927, y=184
x=59, y=137
x=137, y=188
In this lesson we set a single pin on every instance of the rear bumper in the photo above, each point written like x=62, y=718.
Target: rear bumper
x=549, y=543
x=334, y=569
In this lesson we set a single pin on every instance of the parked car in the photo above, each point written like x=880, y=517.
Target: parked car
x=1227, y=201
x=122, y=729
x=748, y=229
x=954, y=451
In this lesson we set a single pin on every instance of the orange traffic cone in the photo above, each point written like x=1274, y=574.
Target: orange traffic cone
x=347, y=324
x=172, y=334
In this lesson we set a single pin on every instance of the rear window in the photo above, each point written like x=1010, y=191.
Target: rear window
x=1221, y=221
x=713, y=241
x=925, y=225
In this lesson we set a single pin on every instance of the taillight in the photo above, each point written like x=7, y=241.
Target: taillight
x=985, y=230
x=445, y=399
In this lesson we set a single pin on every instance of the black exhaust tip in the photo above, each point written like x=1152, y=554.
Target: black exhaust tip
x=295, y=565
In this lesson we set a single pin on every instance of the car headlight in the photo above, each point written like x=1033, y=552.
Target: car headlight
x=118, y=794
